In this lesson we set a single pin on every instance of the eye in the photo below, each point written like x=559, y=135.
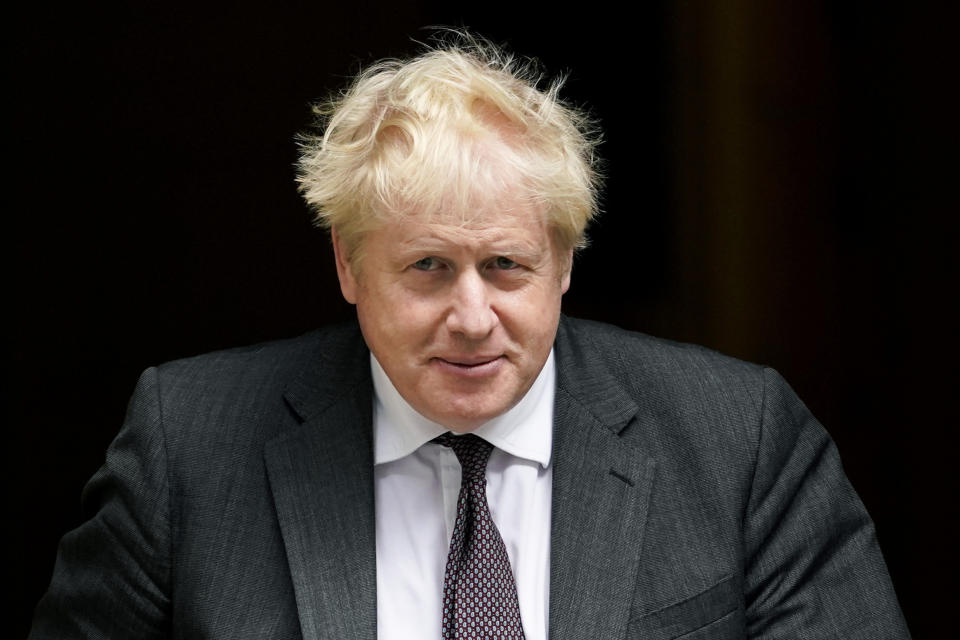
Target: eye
x=504, y=263
x=426, y=264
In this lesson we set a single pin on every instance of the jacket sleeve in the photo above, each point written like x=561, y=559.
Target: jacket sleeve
x=814, y=569
x=112, y=574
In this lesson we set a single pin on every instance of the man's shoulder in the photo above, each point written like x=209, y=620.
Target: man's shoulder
x=270, y=358
x=253, y=389
x=631, y=353
x=263, y=372
x=680, y=390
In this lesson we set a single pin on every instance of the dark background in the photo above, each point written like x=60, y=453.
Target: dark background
x=781, y=188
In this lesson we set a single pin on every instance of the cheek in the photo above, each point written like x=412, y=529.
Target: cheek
x=378, y=301
x=397, y=320
x=533, y=316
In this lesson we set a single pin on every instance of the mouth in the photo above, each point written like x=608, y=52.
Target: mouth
x=470, y=366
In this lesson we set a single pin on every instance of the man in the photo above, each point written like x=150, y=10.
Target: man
x=465, y=462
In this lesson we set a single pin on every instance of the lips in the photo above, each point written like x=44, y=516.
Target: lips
x=469, y=361
x=469, y=366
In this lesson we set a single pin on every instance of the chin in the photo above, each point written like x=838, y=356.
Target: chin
x=467, y=418
x=462, y=421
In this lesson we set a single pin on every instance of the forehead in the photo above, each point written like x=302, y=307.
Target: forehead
x=523, y=228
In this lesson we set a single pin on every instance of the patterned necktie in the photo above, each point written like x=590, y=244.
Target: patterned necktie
x=479, y=593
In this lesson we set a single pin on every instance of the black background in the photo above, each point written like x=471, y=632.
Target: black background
x=780, y=187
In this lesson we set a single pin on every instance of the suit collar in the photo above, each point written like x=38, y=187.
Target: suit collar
x=585, y=375
x=340, y=362
x=601, y=489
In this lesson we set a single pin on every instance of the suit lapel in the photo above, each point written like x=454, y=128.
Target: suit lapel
x=601, y=487
x=321, y=477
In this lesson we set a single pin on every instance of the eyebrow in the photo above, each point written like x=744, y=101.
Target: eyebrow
x=496, y=240
x=505, y=247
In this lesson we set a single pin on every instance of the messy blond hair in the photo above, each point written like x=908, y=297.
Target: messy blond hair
x=458, y=126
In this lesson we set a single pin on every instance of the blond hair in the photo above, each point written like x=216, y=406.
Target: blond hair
x=456, y=127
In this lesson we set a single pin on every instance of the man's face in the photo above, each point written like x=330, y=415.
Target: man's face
x=461, y=317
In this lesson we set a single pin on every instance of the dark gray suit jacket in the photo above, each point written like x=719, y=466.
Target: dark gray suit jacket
x=694, y=496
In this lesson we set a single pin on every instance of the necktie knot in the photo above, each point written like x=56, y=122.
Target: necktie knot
x=472, y=451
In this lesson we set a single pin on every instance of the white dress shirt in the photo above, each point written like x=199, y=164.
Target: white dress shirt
x=416, y=486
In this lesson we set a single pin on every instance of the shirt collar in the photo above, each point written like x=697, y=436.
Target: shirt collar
x=525, y=431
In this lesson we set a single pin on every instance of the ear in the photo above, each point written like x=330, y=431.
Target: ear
x=567, y=266
x=348, y=281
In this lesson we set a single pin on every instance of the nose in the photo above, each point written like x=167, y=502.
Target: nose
x=471, y=314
